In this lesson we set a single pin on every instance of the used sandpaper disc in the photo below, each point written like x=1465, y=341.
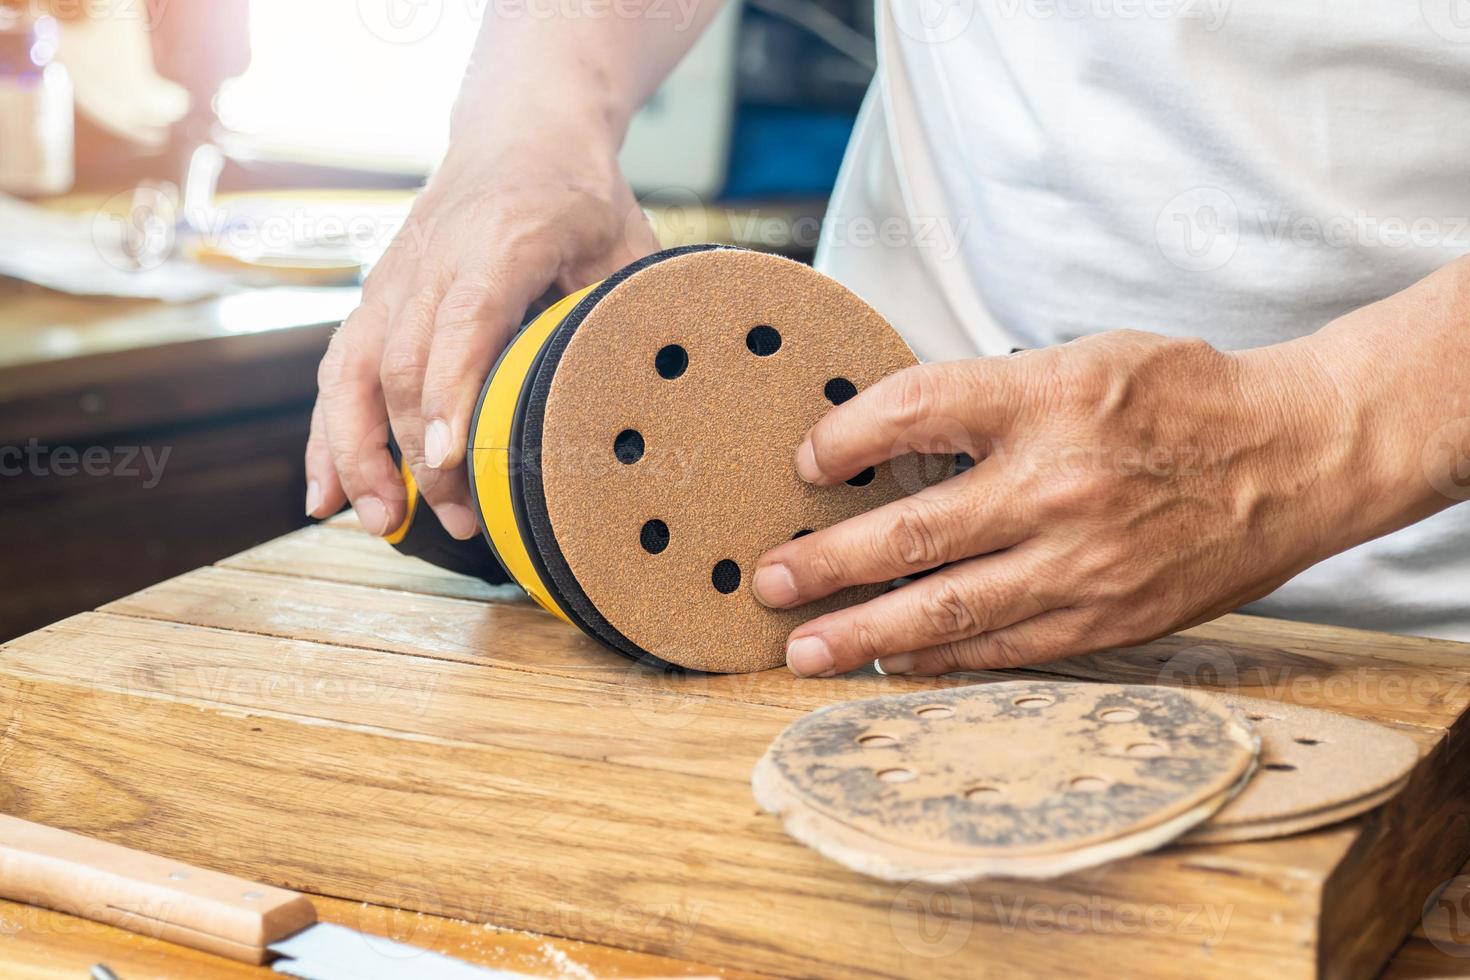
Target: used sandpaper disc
x=1026, y=779
x=1317, y=767
x=649, y=459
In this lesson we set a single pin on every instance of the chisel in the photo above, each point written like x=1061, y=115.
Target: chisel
x=202, y=909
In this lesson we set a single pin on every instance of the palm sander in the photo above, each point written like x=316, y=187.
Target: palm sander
x=632, y=453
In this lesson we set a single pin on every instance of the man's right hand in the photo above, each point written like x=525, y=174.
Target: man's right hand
x=504, y=220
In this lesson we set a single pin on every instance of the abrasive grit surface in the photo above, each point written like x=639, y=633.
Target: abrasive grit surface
x=667, y=473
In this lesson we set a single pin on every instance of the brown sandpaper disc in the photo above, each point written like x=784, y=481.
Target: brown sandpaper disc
x=718, y=447
x=1017, y=779
x=1317, y=767
x=1209, y=833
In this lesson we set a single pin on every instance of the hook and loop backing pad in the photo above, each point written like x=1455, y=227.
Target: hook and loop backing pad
x=633, y=452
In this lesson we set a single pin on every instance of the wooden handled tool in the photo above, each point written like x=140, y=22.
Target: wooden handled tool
x=142, y=893
x=195, y=907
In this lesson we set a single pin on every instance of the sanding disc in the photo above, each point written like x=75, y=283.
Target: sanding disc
x=659, y=429
x=1209, y=833
x=1317, y=767
x=1018, y=779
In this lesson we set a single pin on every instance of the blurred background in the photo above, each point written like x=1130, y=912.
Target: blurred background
x=192, y=190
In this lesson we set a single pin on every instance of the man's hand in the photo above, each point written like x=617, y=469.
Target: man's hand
x=529, y=199
x=499, y=225
x=1126, y=485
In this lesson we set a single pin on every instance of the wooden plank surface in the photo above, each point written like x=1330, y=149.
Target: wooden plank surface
x=322, y=713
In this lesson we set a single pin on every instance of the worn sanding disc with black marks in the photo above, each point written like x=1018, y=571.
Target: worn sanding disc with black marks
x=652, y=459
x=1023, y=779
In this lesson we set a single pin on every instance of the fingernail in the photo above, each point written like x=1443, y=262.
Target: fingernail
x=457, y=520
x=808, y=656
x=774, y=586
x=372, y=514
x=313, y=498
x=436, y=443
x=806, y=462
x=899, y=663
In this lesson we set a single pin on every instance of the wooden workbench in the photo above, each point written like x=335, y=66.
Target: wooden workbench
x=321, y=713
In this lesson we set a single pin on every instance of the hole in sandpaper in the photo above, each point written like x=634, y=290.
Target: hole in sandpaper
x=671, y=361
x=725, y=577
x=763, y=341
x=1117, y=715
x=628, y=446
x=839, y=390
x=654, y=537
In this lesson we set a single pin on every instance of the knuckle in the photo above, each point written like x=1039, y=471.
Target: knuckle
x=330, y=368
x=1090, y=384
x=1000, y=651
x=1070, y=492
x=337, y=364
x=949, y=612
x=402, y=368
x=824, y=568
x=912, y=395
x=954, y=656
x=1196, y=347
x=864, y=642
x=822, y=442
x=371, y=312
x=912, y=540
x=346, y=358
x=464, y=305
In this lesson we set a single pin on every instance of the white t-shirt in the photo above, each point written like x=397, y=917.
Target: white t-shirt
x=1025, y=172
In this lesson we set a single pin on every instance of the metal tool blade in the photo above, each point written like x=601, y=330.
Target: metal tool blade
x=327, y=951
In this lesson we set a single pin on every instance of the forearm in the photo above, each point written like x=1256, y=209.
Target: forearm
x=1398, y=376
x=533, y=61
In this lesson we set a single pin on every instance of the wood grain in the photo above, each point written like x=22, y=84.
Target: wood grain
x=1380, y=676
x=514, y=634
x=323, y=714
x=661, y=862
